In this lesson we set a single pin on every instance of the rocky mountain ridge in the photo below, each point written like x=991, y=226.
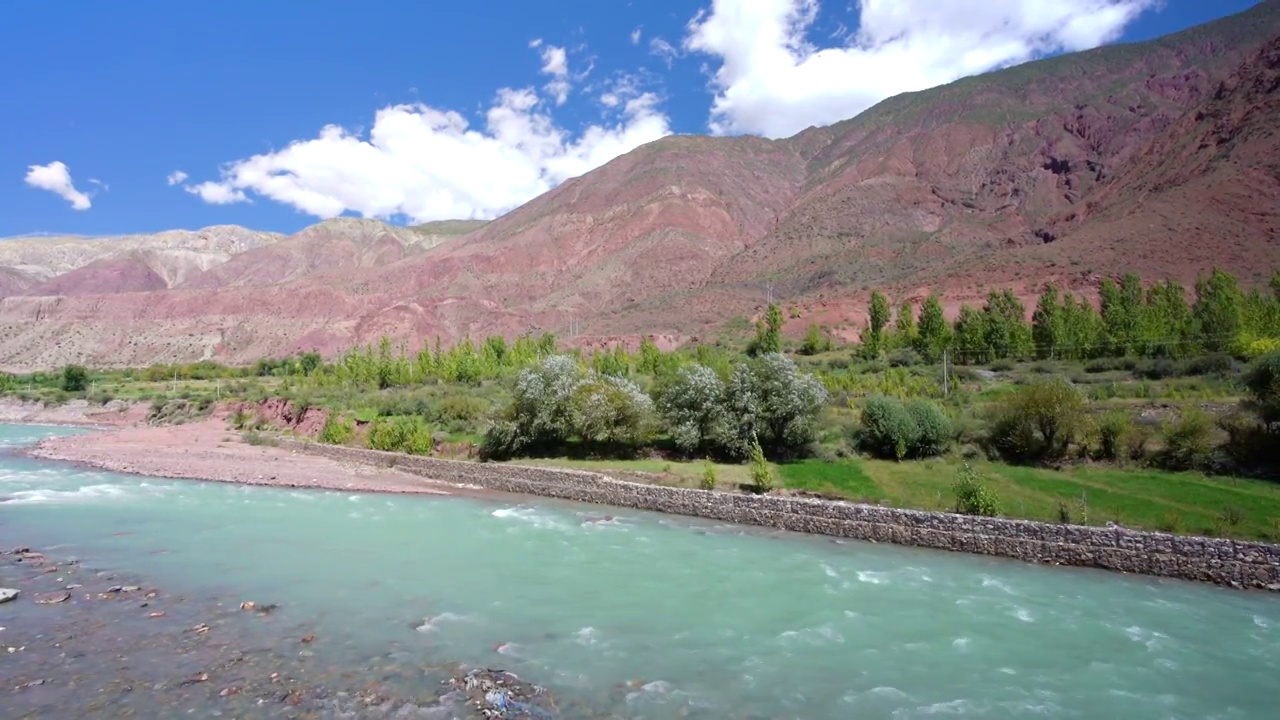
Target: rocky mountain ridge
x=1157, y=157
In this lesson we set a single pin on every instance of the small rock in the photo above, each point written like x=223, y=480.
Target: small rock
x=53, y=598
x=247, y=605
x=310, y=637
x=157, y=614
x=33, y=683
x=7, y=594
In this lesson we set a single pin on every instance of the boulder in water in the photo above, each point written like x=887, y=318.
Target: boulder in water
x=7, y=594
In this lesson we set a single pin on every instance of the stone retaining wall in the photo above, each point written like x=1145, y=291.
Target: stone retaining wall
x=1216, y=560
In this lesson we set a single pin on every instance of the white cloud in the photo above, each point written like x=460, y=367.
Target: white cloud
x=555, y=62
x=177, y=177
x=56, y=178
x=430, y=164
x=772, y=81
x=536, y=42
x=664, y=50
x=635, y=36
x=217, y=193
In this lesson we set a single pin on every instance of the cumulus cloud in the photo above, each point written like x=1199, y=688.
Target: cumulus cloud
x=177, y=177
x=555, y=62
x=56, y=178
x=425, y=163
x=217, y=193
x=773, y=81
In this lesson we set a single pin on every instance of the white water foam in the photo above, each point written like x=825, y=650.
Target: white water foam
x=1024, y=615
x=961, y=644
x=821, y=635
x=874, y=578
x=587, y=636
x=432, y=623
x=528, y=515
x=47, y=496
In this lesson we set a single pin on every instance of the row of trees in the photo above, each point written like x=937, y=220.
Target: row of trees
x=1130, y=320
x=766, y=402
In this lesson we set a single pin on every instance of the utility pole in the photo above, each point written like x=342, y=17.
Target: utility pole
x=946, y=385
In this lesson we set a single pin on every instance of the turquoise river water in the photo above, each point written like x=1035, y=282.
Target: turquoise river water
x=653, y=616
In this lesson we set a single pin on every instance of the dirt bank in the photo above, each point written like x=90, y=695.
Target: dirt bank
x=208, y=450
x=75, y=412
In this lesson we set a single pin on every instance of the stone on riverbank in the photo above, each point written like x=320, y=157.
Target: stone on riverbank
x=7, y=594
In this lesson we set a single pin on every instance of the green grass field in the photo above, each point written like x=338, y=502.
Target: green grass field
x=1187, y=503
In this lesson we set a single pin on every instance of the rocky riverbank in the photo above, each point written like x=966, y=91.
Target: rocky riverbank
x=77, y=641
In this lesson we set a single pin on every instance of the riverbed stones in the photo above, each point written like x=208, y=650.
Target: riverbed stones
x=7, y=594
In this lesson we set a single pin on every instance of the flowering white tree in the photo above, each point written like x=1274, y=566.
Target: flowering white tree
x=693, y=408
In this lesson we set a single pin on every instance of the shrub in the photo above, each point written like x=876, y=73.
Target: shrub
x=1114, y=430
x=1232, y=515
x=1001, y=366
x=1188, y=441
x=502, y=441
x=1158, y=369
x=75, y=378
x=1137, y=442
x=933, y=428
x=1263, y=383
x=708, y=481
x=888, y=431
x=458, y=408
x=904, y=358
x=100, y=398
x=403, y=434
x=973, y=497
x=894, y=430
x=1211, y=364
x=1038, y=422
x=336, y=430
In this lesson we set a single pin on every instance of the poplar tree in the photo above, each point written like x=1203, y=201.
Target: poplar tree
x=933, y=336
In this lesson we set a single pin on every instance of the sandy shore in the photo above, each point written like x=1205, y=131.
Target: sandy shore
x=207, y=450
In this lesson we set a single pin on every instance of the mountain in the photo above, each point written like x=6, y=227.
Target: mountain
x=59, y=265
x=1157, y=157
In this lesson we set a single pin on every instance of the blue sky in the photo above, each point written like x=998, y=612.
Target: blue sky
x=104, y=102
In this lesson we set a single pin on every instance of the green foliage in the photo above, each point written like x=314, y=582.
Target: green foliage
x=969, y=337
x=694, y=409
x=405, y=434
x=769, y=399
x=892, y=429
x=973, y=496
x=904, y=325
x=873, y=336
x=1188, y=441
x=336, y=430
x=1263, y=383
x=75, y=378
x=761, y=473
x=933, y=335
x=1219, y=310
x=768, y=333
x=1039, y=421
x=815, y=341
x=1114, y=431
x=611, y=412
x=1005, y=328
x=708, y=479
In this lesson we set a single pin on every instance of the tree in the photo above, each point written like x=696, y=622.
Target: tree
x=612, y=412
x=877, y=318
x=933, y=336
x=771, y=400
x=768, y=333
x=75, y=378
x=1121, y=308
x=969, y=336
x=904, y=325
x=892, y=429
x=815, y=341
x=1005, y=326
x=1047, y=331
x=692, y=406
x=1169, y=327
x=1038, y=422
x=1218, y=310
x=1081, y=329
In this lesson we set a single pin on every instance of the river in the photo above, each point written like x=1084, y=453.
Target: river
x=643, y=615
